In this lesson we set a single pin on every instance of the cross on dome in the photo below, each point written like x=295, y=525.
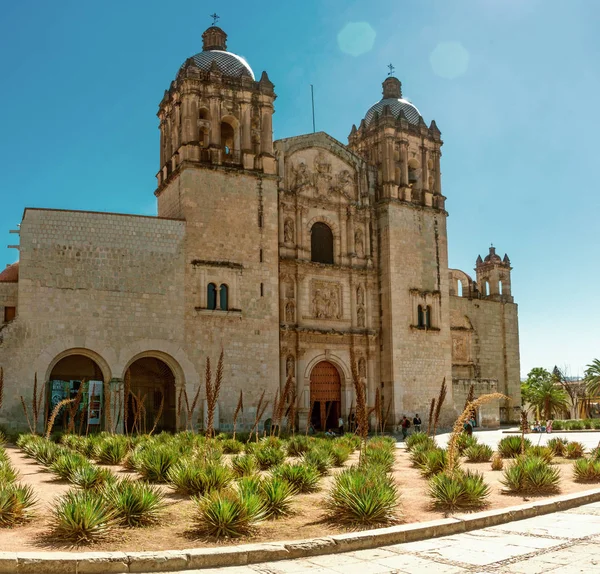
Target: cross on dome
x=391, y=69
x=215, y=18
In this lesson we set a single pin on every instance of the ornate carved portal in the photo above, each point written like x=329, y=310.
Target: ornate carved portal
x=326, y=300
x=325, y=396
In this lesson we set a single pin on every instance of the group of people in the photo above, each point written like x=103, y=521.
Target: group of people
x=539, y=426
x=405, y=424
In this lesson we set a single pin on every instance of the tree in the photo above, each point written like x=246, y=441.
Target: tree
x=592, y=378
x=542, y=391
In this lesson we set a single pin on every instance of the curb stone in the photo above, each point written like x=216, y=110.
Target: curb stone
x=199, y=558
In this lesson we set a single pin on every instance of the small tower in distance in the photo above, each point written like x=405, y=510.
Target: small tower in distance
x=493, y=277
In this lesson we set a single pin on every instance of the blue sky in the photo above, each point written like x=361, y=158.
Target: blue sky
x=512, y=84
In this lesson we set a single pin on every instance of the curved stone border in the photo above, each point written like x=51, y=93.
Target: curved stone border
x=198, y=558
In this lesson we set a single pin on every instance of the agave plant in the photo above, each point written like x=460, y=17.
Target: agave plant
x=574, y=450
x=557, y=445
x=268, y=456
x=531, y=474
x=244, y=465
x=82, y=516
x=229, y=514
x=66, y=464
x=497, y=462
x=319, y=458
x=135, y=503
x=191, y=476
x=339, y=454
x=479, y=453
x=154, y=463
x=277, y=495
x=586, y=470
x=8, y=474
x=379, y=456
x=434, y=462
x=362, y=496
x=459, y=490
x=92, y=477
x=543, y=452
x=232, y=446
x=418, y=438
x=298, y=445
x=111, y=450
x=303, y=478
x=510, y=446
x=16, y=502
x=465, y=442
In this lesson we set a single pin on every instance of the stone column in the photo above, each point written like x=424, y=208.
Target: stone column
x=438, y=175
x=299, y=233
x=350, y=231
x=215, y=122
x=404, y=170
x=266, y=130
x=246, y=127
x=427, y=195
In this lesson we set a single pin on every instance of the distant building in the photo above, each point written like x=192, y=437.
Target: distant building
x=285, y=254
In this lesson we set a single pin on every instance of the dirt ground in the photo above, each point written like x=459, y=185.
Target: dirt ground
x=175, y=530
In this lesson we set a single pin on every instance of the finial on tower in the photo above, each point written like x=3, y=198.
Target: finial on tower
x=215, y=18
x=391, y=69
x=214, y=38
x=392, y=88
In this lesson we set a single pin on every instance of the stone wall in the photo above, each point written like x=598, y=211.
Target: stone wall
x=488, y=415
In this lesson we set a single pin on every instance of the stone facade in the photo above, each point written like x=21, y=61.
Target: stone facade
x=286, y=255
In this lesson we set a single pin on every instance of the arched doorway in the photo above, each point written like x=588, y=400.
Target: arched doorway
x=151, y=381
x=325, y=396
x=65, y=380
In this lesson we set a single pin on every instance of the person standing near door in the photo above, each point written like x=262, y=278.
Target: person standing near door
x=417, y=423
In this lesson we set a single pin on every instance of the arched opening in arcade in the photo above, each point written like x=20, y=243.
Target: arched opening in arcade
x=71, y=375
x=325, y=396
x=152, y=396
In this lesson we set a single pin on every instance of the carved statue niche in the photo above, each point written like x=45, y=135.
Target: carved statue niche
x=326, y=301
x=288, y=288
x=290, y=309
x=362, y=368
x=288, y=230
x=322, y=175
x=343, y=184
x=301, y=178
x=360, y=296
x=359, y=244
x=360, y=317
x=290, y=366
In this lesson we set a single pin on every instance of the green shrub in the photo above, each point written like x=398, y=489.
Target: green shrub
x=531, y=474
x=575, y=425
x=228, y=514
x=111, y=450
x=192, y=476
x=419, y=453
x=82, y=516
x=339, y=454
x=303, y=478
x=298, y=445
x=479, y=453
x=277, y=496
x=458, y=490
x=497, y=462
x=434, y=462
x=352, y=440
x=418, y=438
x=243, y=465
x=510, y=446
x=135, y=503
x=319, y=458
x=92, y=477
x=249, y=484
x=596, y=424
x=268, y=456
x=8, y=474
x=66, y=464
x=558, y=425
x=543, y=452
x=16, y=502
x=586, y=470
x=464, y=442
x=231, y=446
x=587, y=423
x=382, y=457
x=362, y=496
x=557, y=445
x=574, y=450
x=154, y=463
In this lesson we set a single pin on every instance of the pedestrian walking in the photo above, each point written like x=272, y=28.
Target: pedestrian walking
x=405, y=424
x=417, y=423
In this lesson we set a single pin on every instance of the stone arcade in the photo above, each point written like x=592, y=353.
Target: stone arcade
x=285, y=254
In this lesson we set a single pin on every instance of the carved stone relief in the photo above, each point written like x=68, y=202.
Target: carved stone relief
x=288, y=230
x=290, y=366
x=359, y=244
x=326, y=300
x=360, y=296
x=360, y=317
x=362, y=368
x=290, y=309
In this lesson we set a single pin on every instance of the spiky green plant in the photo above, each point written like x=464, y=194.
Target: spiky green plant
x=586, y=470
x=268, y=456
x=434, y=462
x=298, y=445
x=362, y=496
x=497, y=462
x=232, y=446
x=193, y=476
x=574, y=450
x=464, y=441
x=376, y=455
x=154, y=463
x=459, y=490
x=319, y=458
x=419, y=452
x=244, y=465
x=531, y=474
x=92, y=477
x=82, y=516
x=16, y=503
x=543, y=452
x=510, y=446
x=112, y=450
x=479, y=453
x=8, y=474
x=249, y=484
x=303, y=478
x=417, y=439
x=557, y=445
x=277, y=495
x=135, y=503
x=228, y=514
x=65, y=465
x=340, y=453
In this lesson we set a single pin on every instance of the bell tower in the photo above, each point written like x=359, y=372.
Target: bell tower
x=415, y=342
x=493, y=276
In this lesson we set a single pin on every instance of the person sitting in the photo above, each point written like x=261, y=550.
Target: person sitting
x=549, y=426
x=330, y=433
x=468, y=427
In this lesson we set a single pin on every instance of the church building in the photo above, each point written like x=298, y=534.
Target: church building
x=286, y=255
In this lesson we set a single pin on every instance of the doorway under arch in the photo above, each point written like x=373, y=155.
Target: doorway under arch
x=325, y=396
x=151, y=381
x=64, y=381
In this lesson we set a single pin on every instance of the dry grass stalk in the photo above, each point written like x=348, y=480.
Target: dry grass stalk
x=438, y=406
x=309, y=415
x=387, y=414
x=193, y=407
x=239, y=408
x=274, y=412
x=34, y=402
x=285, y=399
x=377, y=409
x=55, y=414
x=430, y=420
x=75, y=407
x=362, y=417
x=212, y=393
x=1, y=387
x=260, y=409
x=159, y=412
x=107, y=405
x=292, y=412
x=126, y=392
x=187, y=409
x=461, y=420
x=470, y=395
x=524, y=428
x=179, y=407
x=25, y=410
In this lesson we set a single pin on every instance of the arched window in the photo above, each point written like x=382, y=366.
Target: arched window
x=321, y=244
x=211, y=300
x=428, y=317
x=227, y=137
x=420, y=317
x=487, y=288
x=500, y=287
x=459, y=290
x=224, y=297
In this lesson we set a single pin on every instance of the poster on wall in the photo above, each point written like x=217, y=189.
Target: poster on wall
x=94, y=402
x=58, y=392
